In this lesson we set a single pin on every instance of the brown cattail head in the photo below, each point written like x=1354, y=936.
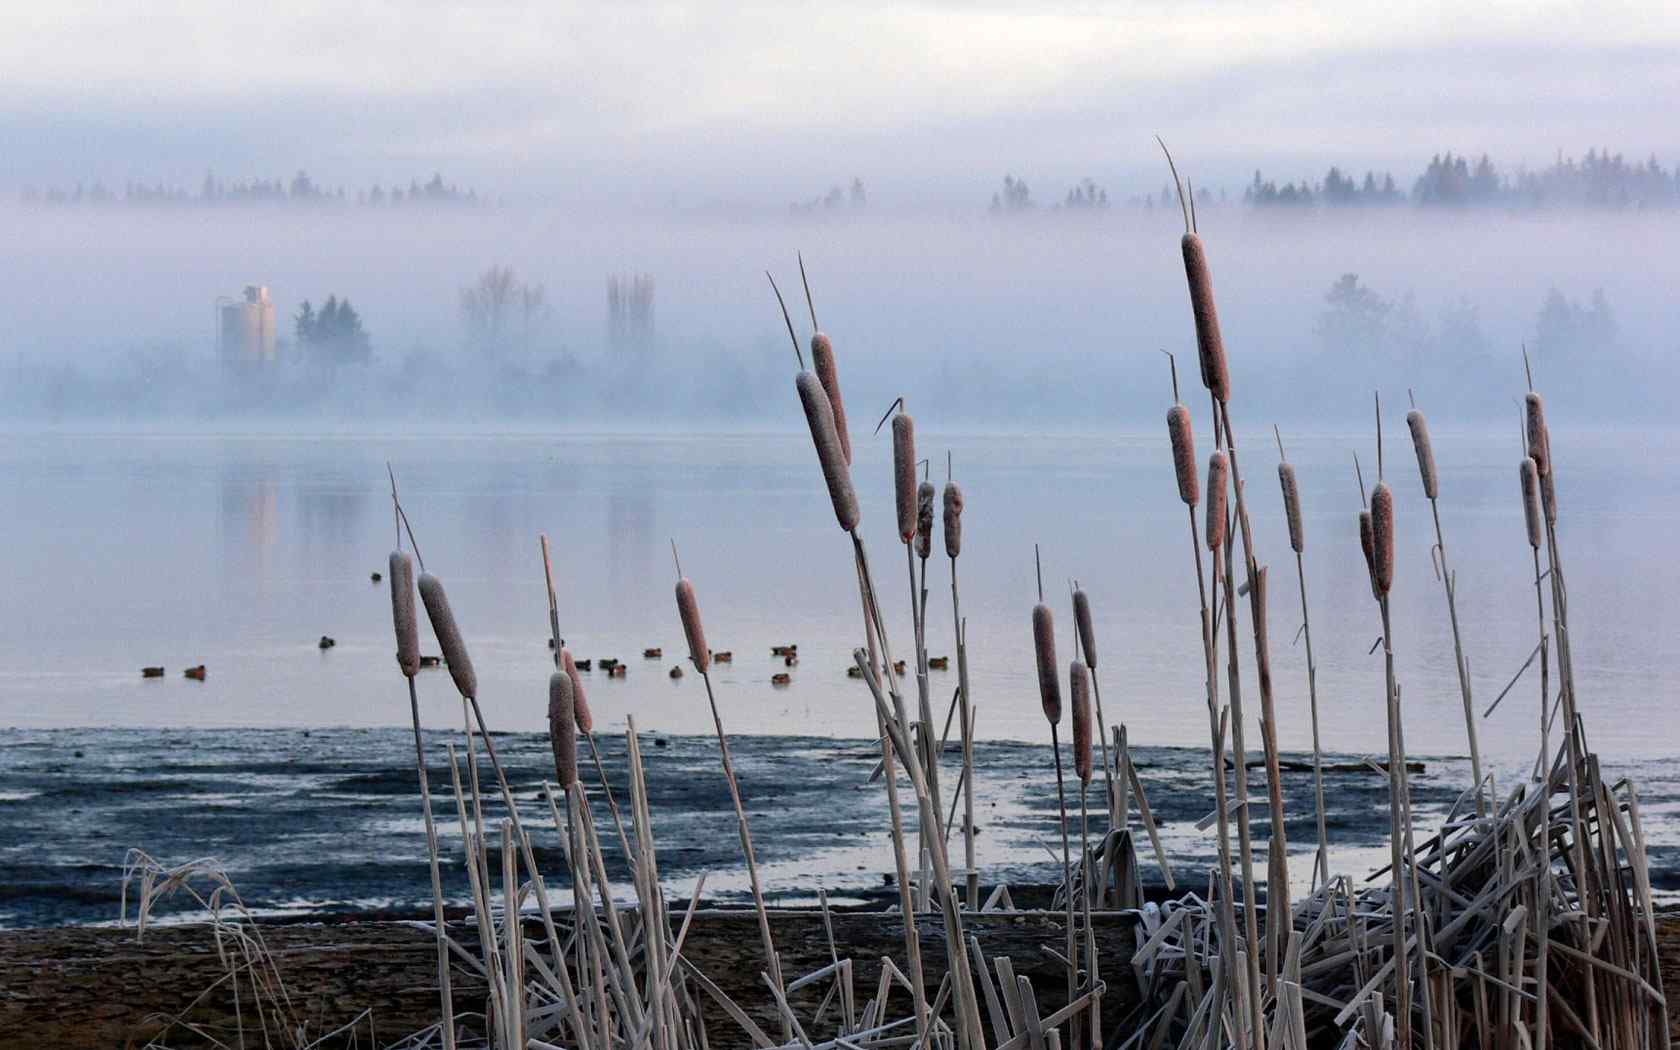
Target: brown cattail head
x=904, y=474
x=402, y=613
x=562, y=727
x=585, y=720
x=1209, y=346
x=822, y=359
x=1425, y=453
x=924, y=519
x=1539, y=438
x=1367, y=543
x=688, y=608
x=1529, y=476
x=1044, y=649
x=1382, y=536
x=1219, y=469
x=831, y=455
x=1079, y=691
x=1184, y=454
x=1082, y=624
x=1548, y=489
x=448, y=635
x=953, y=519
x=1292, y=507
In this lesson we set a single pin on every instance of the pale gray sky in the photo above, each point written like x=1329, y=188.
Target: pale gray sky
x=733, y=103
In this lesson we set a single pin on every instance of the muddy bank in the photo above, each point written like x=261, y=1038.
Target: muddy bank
x=98, y=987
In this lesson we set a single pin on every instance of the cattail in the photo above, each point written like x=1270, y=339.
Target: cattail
x=1382, y=536
x=822, y=359
x=904, y=473
x=1539, y=438
x=689, y=610
x=1218, y=468
x=1209, y=346
x=448, y=635
x=819, y=414
x=402, y=613
x=1548, y=489
x=1184, y=453
x=924, y=519
x=1425, y=452
x=585, y=720
x=562, y=727
x=1367, y=543
x=1082, y=624
x=1292, y=507
x=1044, y=648
x=1079, y=682
x=953, y=519
x=1529, y=476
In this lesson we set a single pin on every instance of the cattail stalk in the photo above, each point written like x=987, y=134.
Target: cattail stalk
x=1079, y=694
x=562, y=729
x=1085, y=631
x=1210, y=346
x=688, y=610
x=1226, y=438
x=408, y=660
x=952, y=520
x=1184, y=459
x=582, y=718
x=1297, y=543
x=1528, y=476
x=1449, y=581
x=831, y=455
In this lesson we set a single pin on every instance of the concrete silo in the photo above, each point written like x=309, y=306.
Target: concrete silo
x=248, y=333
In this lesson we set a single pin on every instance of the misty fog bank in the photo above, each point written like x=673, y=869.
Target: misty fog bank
x=1041, y=319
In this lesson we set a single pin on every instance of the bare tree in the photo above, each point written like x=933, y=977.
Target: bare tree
x=499, y=309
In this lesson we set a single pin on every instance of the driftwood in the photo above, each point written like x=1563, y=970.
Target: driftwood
x=99, y=987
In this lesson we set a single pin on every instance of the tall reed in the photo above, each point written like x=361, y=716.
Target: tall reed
x=1419, y=426
x=1298, y=544
x=951, y=519
x=1050, y=701
x=401, y=575
x=688, y=611
x=1079, y=694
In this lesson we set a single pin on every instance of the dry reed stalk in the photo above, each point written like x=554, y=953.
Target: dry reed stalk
x=1449, y=581
x=688, y=610
x=562, y=728
x=582, y=717
x=1528, y=476
x=1079, y=693
x=952, y=499
x=1278, y=909
x=1224, y=436
x=408, y=661
x=1183, y=449
x=1297, y=543
x=1050, y=700
x=1085, y=630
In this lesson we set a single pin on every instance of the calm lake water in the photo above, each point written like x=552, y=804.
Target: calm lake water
x=239, y=551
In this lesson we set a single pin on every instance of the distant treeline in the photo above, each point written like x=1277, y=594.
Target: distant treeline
x=300, y=189
x=1598, y=180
